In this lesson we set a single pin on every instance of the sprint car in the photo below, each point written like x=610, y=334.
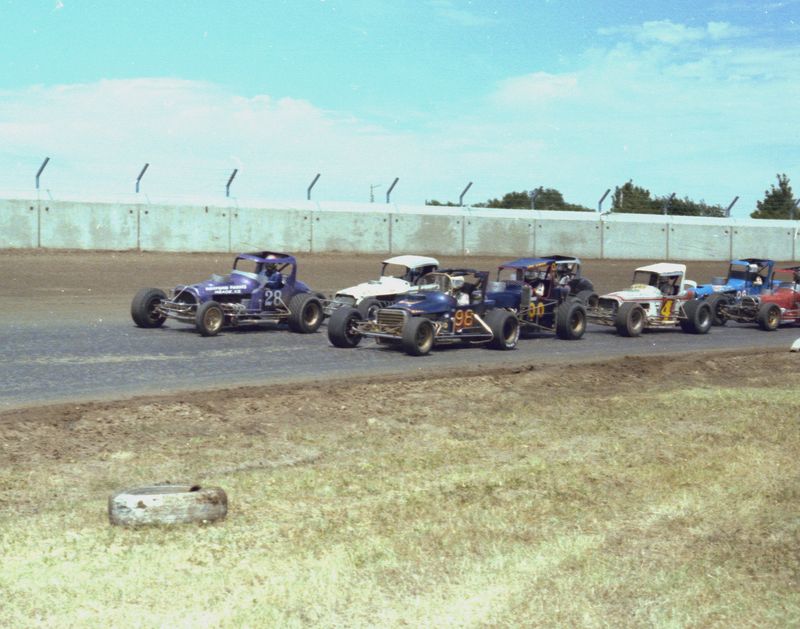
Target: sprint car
x=261, y=288
x=546, y=294
x=659, y=297
x=769, y=310
x=398, y=276
x=449, y=306
x=746, y=277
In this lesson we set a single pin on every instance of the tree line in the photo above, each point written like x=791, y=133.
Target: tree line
x=778, y=202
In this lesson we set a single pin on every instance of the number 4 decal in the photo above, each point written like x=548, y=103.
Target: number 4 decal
x=666, y=309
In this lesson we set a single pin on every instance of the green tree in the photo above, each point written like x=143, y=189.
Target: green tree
x=446, y=204
x=546, y=199
x=631, y=199
x=778, y=201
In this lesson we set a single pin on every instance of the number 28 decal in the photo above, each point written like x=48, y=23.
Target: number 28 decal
x=463, y=319
x=270, y=296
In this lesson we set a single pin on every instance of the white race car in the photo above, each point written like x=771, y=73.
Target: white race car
x=660, y=296
x=398, y=276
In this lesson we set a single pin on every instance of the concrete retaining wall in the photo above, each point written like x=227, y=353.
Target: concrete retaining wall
x=307, y=226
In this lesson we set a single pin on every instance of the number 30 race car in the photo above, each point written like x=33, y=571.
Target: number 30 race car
x=262, y=288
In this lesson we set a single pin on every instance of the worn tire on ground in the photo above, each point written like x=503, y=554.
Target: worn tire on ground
x=629, y=319
x=717, y=303
x=305, y=313
x=698, y=317
x=570, y=320
x=167, y=504
x=368, y=307
x=505, y=329
x=418, y=336
x=340, y=332
x=768, y=317
x=209, y=318
x=143, y=308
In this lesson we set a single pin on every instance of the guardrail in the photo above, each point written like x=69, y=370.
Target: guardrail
x=307, y=226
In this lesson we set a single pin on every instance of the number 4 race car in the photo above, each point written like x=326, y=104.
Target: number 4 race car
x=262, y=288
x=449, y=306
x=659, y=297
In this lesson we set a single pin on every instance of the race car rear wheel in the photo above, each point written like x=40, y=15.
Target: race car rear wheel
x=305, y=313
x=418, y=336
x=717, y=303
x=505, y=329
x=570, y=320
x=341, y=332
x=768, y=317
x=209, y=318
x=698, y=317
x=629, y=319
x=144, y=305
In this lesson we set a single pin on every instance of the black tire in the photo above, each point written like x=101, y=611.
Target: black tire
x=570, y=320
x=698, y=317
x=368, y=307
x=717, y=302
x=340, y=327
x=629, y=319
x=579, y=285
x=209, y=318
x=588, y=298
x=528, y=331
x=305, y=313
x=768, y=317
x=418, y=336
x=167, y=504
x=505, y=329
x=143, y=308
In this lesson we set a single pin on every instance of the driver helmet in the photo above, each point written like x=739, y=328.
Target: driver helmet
x=270, y=268
x=753, y=268
x=457, y=282
x=539, y=289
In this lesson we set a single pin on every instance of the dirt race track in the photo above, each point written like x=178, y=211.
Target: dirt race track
x=41, y=290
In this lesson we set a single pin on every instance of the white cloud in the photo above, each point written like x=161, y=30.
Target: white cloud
x=671, y=33
x=534, y=89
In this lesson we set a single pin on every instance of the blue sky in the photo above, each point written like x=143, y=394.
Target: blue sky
x=580, y=96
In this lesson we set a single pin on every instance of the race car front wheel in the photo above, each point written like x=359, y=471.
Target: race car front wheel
x=341, y=332
x=144, y=308
x=629, y=319
x=418, y=336
x=769, y=317
x=209, y=318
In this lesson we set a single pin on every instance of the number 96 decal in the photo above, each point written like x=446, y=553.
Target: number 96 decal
x=463, y=319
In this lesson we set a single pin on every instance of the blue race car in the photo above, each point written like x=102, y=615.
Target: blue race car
x=448, y=306
x=747, y=277
x=546, y=294
x=262, y=288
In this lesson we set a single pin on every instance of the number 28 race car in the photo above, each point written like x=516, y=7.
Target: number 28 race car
x=448, y=306
x=659, y=297
x=262, y=288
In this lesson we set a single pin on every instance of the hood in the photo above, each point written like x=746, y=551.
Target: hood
x=385, y=285
x=637, y=291
x=426, y=303
x=234, y=284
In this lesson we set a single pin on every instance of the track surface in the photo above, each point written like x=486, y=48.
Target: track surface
x=74, y=340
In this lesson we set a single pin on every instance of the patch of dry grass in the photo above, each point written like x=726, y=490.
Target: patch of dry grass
x=613, y=505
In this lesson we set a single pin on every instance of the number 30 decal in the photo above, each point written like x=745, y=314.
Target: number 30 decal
x=463, y=319
x=536, y=309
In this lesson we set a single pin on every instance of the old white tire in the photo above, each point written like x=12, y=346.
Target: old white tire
x=167, y=504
